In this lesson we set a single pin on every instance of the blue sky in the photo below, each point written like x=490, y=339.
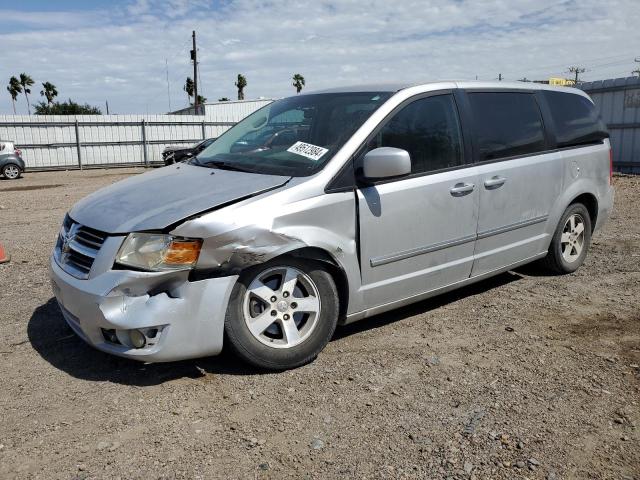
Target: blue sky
x=119, y=51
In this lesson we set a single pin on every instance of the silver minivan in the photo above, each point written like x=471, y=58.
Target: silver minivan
x=330, y=207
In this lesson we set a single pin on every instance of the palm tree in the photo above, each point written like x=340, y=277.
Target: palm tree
x=14, y=88
x=188, y=87
x=26, y=81
x=241, y=83
x=49, y=91
x=298, y=82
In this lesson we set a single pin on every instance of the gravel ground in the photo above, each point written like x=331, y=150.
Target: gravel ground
x=522, y=376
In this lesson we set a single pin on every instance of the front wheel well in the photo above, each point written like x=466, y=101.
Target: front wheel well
x=591, y=203
x=336, y=271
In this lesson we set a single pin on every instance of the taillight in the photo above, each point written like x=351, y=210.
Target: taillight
x=18, y=152
x=610, y=166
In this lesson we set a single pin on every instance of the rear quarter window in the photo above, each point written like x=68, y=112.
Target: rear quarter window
x=576, y=121
x=507, y=124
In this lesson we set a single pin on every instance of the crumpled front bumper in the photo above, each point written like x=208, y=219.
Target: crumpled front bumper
x=189, y=315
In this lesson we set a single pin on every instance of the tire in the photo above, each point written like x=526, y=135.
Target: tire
x=288, y=328
x=570, y=242
x=11, y=171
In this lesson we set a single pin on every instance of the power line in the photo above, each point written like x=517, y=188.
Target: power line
x=543, y=70
x=586, y=61
x=610, y=64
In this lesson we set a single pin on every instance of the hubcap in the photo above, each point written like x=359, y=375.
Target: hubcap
x=11, y=171
x=572, y=238
x=281, y=307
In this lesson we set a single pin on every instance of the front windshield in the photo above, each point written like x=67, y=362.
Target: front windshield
x=295, y=136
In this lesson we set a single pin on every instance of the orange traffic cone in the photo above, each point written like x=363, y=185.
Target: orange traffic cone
x=4, y=257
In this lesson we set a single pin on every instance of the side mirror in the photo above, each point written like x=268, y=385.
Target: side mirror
x=386, y=162
x=188, y=154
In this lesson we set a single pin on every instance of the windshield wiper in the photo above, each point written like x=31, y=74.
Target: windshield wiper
x=225, y=166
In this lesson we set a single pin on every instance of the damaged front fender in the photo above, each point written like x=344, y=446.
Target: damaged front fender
x=244, y=235
x=245, y=247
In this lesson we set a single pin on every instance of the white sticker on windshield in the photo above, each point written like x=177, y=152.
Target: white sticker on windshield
x=307, y=150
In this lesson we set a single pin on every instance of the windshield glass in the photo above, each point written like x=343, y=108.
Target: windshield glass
x=295, y=136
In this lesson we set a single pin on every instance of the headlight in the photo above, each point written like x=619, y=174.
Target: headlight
x=159, y=252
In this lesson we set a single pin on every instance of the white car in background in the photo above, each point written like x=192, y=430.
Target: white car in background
x=11, y=163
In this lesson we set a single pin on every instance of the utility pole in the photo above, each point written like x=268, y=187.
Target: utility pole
x=637, y=70
x=499, y=77
x=106, y=102
x=194, y=57
x=577, y=70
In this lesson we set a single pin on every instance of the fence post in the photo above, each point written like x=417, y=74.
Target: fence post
x=78, y=145
x=204, y=130
x=144, y=143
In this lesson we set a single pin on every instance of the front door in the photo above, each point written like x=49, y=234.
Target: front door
x=417, y=233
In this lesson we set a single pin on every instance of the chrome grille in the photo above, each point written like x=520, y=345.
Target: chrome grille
x=77, y=248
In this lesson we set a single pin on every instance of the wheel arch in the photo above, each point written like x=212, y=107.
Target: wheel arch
x=335, y=269
x=590, y=201
x=583, y=190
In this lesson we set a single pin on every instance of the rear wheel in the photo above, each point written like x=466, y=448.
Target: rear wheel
x=282, y=314
x=11, y=171
x=571, y=240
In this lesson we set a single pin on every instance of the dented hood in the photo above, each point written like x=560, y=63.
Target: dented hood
x=162, y=197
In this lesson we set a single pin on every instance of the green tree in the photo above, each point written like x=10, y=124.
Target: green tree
x=26, y=81
x=202, y=100
x=223, y=99
x=189, y=87
x=49, y=91
x=298, y=82
x=14, y=88
x=241, y=83
x=66, y=108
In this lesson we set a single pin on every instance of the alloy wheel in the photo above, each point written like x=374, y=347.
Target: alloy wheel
x=282, y=307
x=572, y=238
x=11, y=172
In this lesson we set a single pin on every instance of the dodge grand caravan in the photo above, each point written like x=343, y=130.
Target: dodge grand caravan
x=330, y=207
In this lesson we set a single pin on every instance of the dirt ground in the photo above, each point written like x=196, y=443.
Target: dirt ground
x=522, y=376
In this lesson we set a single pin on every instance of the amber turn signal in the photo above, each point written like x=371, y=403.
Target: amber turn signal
x=183, y=252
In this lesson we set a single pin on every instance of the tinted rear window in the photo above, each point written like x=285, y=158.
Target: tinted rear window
x=575, y=118
x=507, y=124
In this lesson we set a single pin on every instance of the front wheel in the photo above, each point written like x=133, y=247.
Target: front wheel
x=571, y=240
x=282, y=314
x=11, y=171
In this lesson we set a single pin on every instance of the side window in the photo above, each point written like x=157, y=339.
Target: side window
x=507, y=124
x=575, y=118
x=429, y=130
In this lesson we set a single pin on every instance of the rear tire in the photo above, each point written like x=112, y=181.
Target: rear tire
x=11, y=171
x=281, y=314
x=570, y=242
